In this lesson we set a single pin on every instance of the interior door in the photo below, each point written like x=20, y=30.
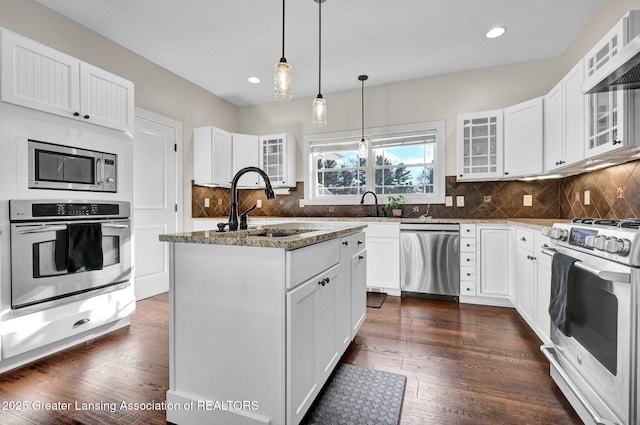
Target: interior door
x=156, y=199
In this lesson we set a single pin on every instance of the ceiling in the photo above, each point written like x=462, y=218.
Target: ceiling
x=218, y=44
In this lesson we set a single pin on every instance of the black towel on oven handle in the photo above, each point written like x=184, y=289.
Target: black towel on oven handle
x=560, y=267
x=84, y=247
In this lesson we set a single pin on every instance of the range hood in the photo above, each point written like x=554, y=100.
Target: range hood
x=621, y=72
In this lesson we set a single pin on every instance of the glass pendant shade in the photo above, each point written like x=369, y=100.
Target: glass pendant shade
x=363, y=148
x=319, y=111
x=283, y=81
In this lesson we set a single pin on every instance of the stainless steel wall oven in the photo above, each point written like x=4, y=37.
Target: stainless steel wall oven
x=594, y=308
x=62, y=251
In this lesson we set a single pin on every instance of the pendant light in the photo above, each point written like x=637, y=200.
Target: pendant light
x=282, y=77
x=319, y=103
x=363, y=148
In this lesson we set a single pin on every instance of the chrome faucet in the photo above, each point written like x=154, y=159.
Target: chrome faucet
x=375, y=198
x=233, y=213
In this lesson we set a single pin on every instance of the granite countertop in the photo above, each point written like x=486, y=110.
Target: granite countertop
x=286, y=235
x=532, y=223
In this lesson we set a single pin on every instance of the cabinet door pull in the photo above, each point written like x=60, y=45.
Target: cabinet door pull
x=80, y=323
x=616, y=142
x=76, y=114
x=360, y=257
x=86, y=117
x=322, y=282
x=360, y=242
x=523, y=239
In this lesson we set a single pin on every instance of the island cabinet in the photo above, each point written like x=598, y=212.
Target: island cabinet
x=257, y=330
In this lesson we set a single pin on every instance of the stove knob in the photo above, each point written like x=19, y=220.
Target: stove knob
x=589, y=241
x=546, y=231
x=617, y=246
x=600, y=242
x=558, y=234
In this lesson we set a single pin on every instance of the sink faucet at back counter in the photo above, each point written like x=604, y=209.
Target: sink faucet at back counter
x=375, y=198
x=233, y=213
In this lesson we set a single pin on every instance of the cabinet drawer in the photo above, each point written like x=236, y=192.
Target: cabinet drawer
x=357, y=242
x=468, y=273
x=35, y=330
x=467, y=245
x=467, y=230
x=524, y=239
x=468, y=288
x=467, y=259
x=304, y=263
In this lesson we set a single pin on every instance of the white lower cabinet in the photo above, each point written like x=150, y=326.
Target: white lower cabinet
x=496, y=268
x=467, y=261
x=533, y=281
x=383, y=266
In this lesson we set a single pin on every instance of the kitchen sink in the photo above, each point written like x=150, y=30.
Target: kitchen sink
x=279, y=233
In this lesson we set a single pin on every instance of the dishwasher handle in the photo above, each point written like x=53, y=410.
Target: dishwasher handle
x=430, y=227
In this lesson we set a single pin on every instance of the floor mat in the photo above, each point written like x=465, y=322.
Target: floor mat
x=358, y=395
x=375, y=299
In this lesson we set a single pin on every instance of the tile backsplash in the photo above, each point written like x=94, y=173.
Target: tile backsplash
x=614, y=192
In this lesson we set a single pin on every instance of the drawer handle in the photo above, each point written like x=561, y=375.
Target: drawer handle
x=468, y=245
x=360, y=257
x=360, y=242
x=468, y=230
x=345, y=243
x=523, y=239
x=468, y=274
x=324, y=281
x=468, y=259
x=80, y=323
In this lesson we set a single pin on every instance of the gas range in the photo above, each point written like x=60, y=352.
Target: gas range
x=616, y=240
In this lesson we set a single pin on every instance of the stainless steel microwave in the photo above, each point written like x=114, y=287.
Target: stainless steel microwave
x=61, y=167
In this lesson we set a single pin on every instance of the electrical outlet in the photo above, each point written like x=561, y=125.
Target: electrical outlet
x=301, y=203
x=448, y=201
x=527, y=200
x=219, y=201
x=206, y=202
x=587, y=197
x=259, y=203
x=620, y=192
x=281, y=202
x=415, y=209
x=460, y=201
x=486, y=198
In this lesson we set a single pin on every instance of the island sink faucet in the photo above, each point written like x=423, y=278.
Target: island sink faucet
x=375, y=198
x=233, y=214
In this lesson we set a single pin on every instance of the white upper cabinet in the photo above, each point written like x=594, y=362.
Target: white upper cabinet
x=564, y=117
x=278, y=159
x=479, y=145
x=212, y=156
x=39, y=77
x=523, y=138
x=219, y=155
x=609, y=122
x=245, y=154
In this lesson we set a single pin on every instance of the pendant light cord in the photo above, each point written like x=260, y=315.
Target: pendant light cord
x=362, y=109
x=283, y=28
x=320, y=46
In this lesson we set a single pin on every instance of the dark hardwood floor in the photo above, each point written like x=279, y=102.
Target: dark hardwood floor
x=464, y=364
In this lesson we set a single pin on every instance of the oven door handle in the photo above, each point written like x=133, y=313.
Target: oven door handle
x=602, y=274
x=115, y=226
x=549, y=353
x=42, y=229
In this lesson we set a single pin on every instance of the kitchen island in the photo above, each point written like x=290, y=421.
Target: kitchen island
x=259, y=319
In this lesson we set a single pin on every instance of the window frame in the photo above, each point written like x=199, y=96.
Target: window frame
x=372, y=134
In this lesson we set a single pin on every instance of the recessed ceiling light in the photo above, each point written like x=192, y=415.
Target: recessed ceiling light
x=253, y=80
x=495, y=32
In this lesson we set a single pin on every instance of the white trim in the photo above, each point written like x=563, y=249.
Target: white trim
x=437, y=198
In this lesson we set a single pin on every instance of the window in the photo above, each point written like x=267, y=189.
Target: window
x=406, y=159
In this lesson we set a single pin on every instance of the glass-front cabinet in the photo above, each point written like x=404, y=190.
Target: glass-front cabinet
x=480, y=145
x=277, y=159
x=609, y=113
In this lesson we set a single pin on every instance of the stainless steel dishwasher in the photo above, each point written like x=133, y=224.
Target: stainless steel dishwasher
x=430, y=260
